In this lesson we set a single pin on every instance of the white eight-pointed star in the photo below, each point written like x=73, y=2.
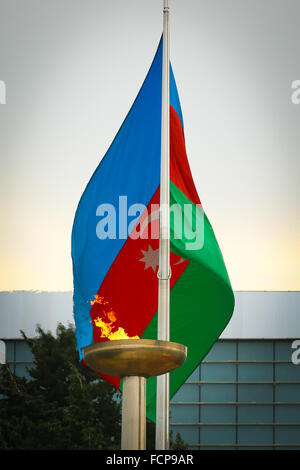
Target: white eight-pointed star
x=150, y=258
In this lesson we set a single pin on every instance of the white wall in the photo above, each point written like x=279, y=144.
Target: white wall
x=23, y=310
x=265, y=315
x=256, y=314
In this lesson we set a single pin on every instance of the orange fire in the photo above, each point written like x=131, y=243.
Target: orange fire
x=107, y=327
x=98, y=300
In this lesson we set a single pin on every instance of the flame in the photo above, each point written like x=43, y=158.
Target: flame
x=98, y=300
x=111, y=316
x=108, y=329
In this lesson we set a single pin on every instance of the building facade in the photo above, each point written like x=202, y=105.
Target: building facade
x=244, y=395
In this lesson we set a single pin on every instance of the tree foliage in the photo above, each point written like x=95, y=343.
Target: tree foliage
x=63, y=405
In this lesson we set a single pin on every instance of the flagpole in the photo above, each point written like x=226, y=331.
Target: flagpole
x=163, y=332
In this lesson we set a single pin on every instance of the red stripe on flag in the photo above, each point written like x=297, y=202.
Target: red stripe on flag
x=128, y=296
x=180, y=172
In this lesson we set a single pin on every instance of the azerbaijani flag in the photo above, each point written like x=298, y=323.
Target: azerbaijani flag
x=115, y=243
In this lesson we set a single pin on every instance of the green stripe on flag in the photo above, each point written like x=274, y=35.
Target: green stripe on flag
x=201, y=303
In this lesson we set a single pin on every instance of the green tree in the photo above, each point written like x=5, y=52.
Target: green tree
x=64, y=405
x=179, y=443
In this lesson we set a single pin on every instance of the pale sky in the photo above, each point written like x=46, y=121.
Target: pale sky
x=72, y=70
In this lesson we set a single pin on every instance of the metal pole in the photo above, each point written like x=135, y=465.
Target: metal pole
x=163, y=333
x=134, y=413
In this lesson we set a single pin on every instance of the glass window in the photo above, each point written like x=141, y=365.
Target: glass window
x=218, y=372
x=283, y=350
x=218, y=393
x=287, y=435
x=10, y=351
x=258, y=447
x=188, y=392
x=255, y=393
x=218, y=429
x=217, y=447
x=184, y=414
x=287, y=414
x=255, y=413
x=291, y=447
x=189, y=434
x=222, y=351
x=194, y=377
x=287, y=372
x=255, y=372
x=287, y=393
x=21, y=370
x=255, y=435
x=23, y=352
x=255, y=351
x=217, y=435
x=217, y=414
